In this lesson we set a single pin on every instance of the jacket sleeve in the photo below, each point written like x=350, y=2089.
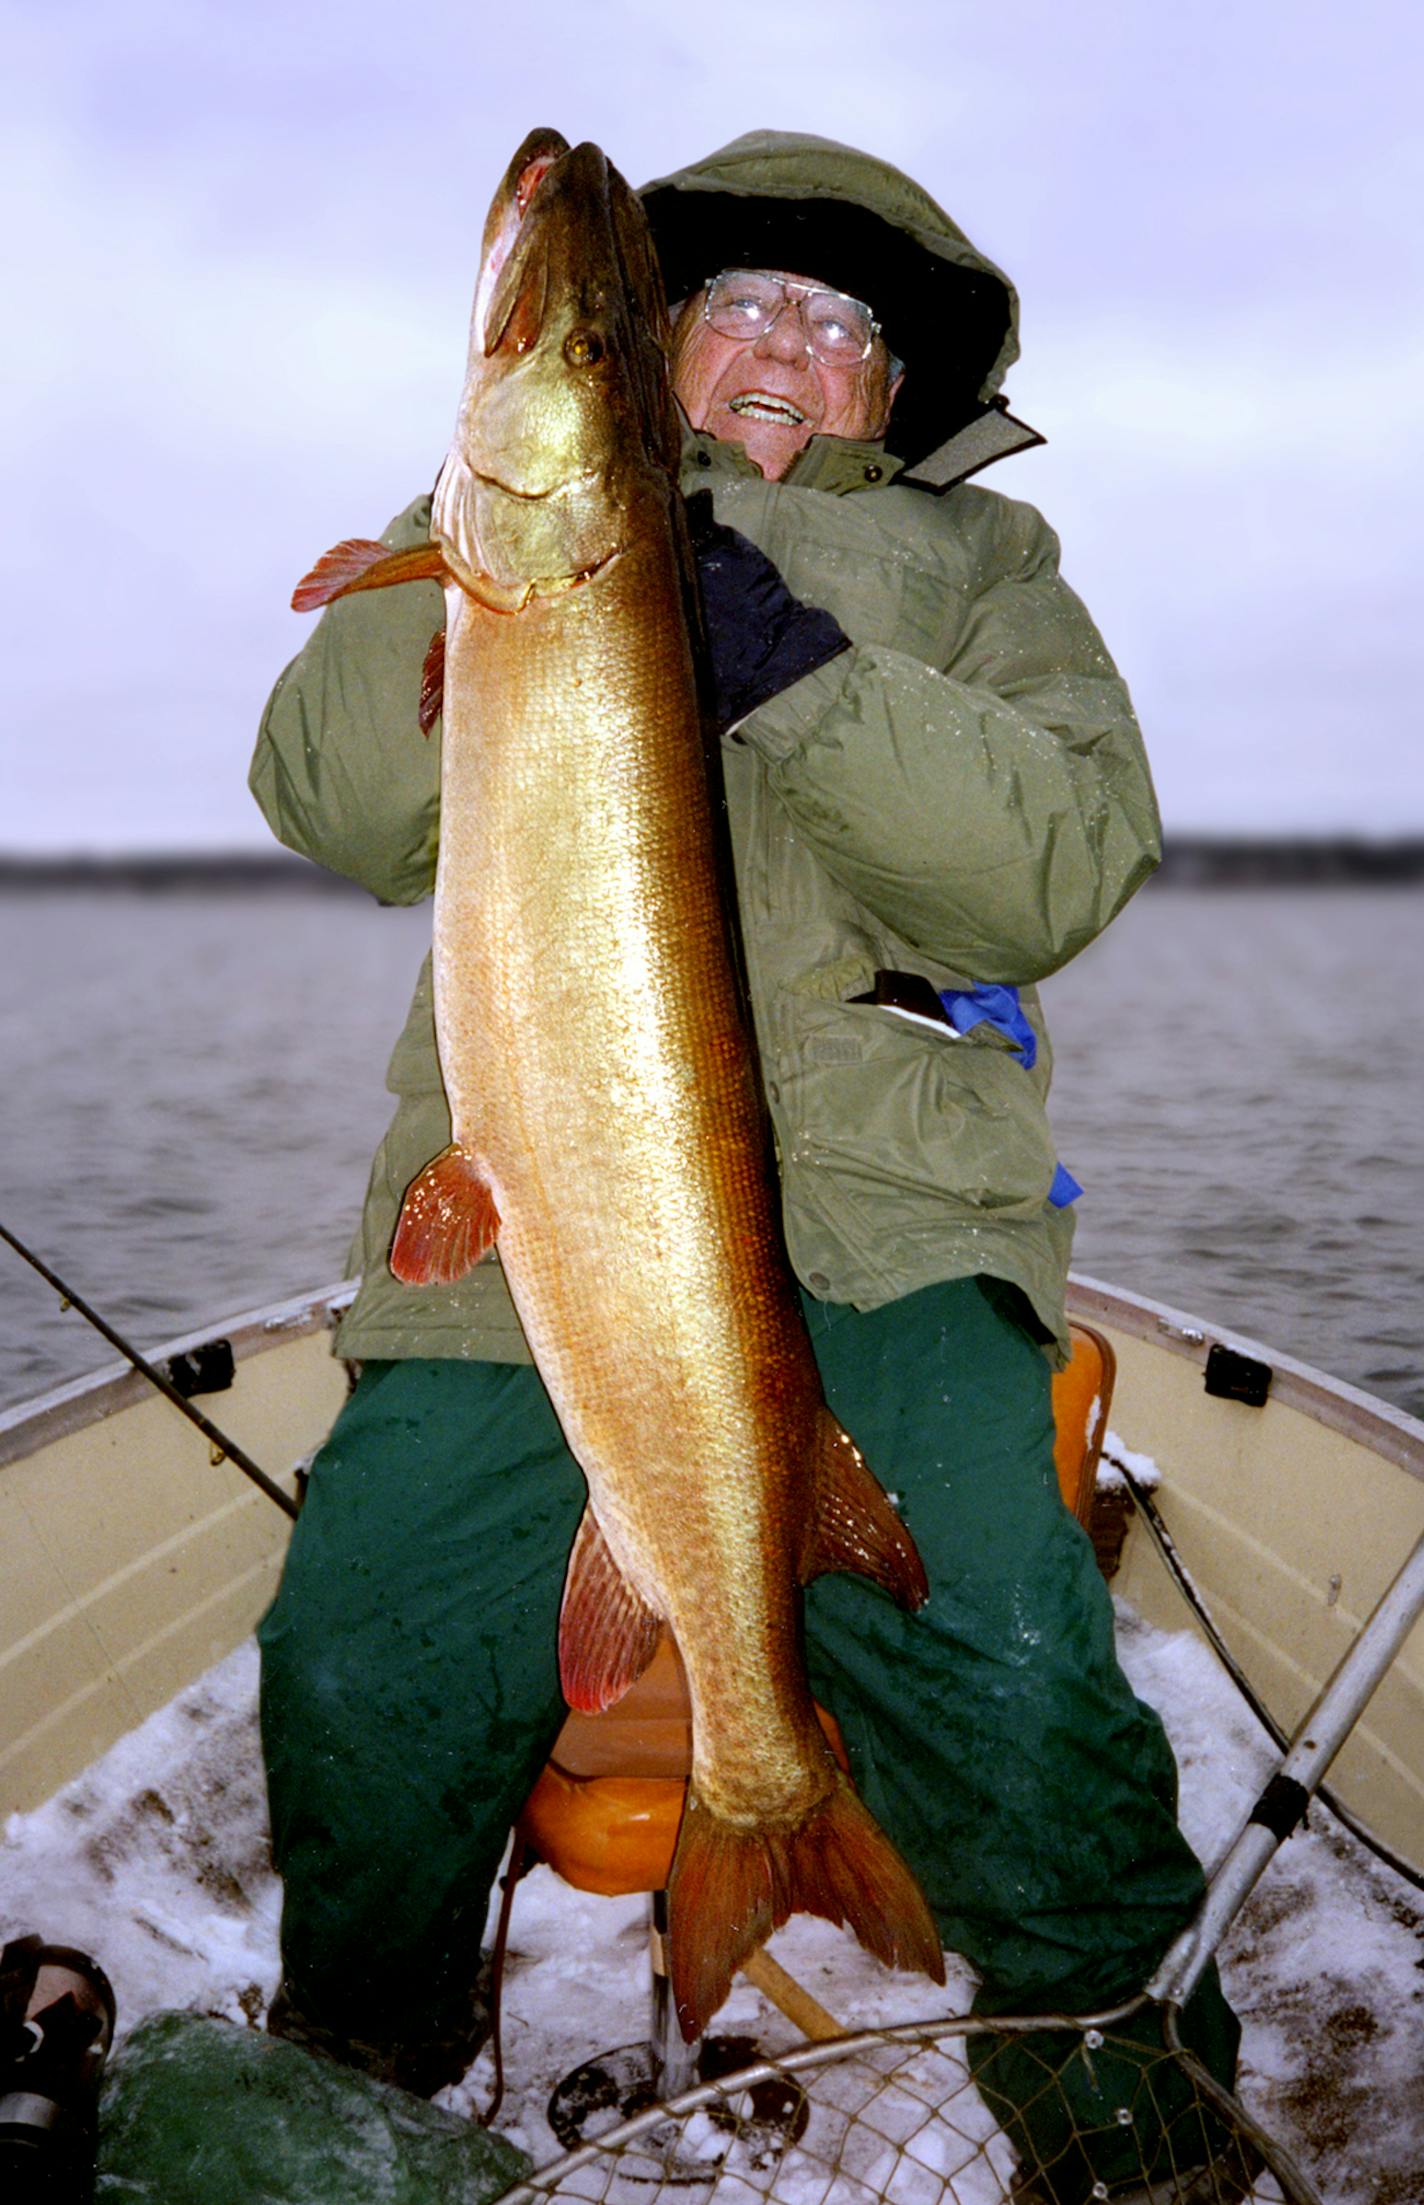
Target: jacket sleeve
x=996, y=811
x=341, y=770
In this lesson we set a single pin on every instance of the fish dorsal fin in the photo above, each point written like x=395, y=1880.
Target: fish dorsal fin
x=448, y=1220
x=855, y=1525
x=358, y=563
x=607, y=1632
x=432, y=682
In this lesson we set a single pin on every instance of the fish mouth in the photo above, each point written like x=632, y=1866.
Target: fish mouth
x=764, y=405
x=511, y=288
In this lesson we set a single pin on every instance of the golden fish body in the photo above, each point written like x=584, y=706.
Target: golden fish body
x=599, y=1074
x=604, y=1097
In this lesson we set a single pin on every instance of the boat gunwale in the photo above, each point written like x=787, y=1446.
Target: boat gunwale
x=1384, y=1430
x=1389, y=1432
x=80, y=1402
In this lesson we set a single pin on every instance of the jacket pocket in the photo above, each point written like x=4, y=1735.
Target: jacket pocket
x=910, y=1124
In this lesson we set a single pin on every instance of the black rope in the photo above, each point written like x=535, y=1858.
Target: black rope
x=219, y=1439
x=1182, y=1578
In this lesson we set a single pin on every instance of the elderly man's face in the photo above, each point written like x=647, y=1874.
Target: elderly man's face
x=771, y=394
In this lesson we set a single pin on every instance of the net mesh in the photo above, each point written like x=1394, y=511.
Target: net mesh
x=950, y=2114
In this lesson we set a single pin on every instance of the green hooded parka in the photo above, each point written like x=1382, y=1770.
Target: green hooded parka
x=963, y=795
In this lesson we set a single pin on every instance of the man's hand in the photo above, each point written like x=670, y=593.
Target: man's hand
x=760, y=638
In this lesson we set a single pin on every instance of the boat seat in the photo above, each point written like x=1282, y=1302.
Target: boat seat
x=1082, y=1397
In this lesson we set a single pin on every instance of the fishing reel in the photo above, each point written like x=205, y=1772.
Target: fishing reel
x=56, y=2026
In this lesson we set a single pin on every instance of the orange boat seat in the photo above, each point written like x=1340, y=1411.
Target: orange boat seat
x=1082, y=1397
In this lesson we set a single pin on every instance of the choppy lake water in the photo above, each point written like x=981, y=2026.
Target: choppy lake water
x=194, y=1085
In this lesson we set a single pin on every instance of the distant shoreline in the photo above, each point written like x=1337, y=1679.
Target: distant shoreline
x=1190, y=861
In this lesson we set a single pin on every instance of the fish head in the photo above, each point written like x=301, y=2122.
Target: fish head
x=567, y=414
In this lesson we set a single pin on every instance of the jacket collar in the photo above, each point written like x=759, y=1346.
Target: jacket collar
x=838, y=464
x=841, y=464
x=994, y=433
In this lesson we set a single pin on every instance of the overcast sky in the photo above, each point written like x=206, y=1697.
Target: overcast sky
x=240, y=247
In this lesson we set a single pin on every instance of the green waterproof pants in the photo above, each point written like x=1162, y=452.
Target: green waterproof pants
x=410, y=1683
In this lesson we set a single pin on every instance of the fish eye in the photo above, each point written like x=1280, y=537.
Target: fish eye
x=583, y=348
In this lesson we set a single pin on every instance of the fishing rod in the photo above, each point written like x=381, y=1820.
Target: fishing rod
x=229, y=1448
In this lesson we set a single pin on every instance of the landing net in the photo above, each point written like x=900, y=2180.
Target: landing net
x=896, y=2117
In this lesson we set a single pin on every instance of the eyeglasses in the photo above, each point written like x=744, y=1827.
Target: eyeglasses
x=746, y=302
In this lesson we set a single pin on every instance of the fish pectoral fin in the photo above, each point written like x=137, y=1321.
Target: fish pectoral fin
x=358, y=563
x=432, y=682
x=448, y=1220
x=730, y=1887
x=855, y=1526
x=608, y=1633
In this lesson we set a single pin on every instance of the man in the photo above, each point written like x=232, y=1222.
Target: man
x=934, y=783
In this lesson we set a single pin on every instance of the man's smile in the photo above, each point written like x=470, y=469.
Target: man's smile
x=764, y=405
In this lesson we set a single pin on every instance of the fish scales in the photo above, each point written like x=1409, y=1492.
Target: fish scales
x=605, y=1104
x=636, y=1076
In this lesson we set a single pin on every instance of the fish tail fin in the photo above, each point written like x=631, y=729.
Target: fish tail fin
x=448, y=1221
x=855, y=1526
x=731, y=1887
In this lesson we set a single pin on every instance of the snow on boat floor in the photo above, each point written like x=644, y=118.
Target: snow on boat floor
x=156, y=1860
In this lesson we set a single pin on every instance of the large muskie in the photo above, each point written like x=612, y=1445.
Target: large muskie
x=604, y=1098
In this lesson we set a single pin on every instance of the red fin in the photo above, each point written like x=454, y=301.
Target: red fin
x=359, y=564
x=730, y=1888
x=607, y=1632
x=432, y=682
x=447, y=1221
x=856, y=1527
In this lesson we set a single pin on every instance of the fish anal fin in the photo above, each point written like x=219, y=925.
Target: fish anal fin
x=855, y=1525
x=358, y=563
x=731, y=1887
x=448, y=1220
x=607, y=1631
x=432, y=682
